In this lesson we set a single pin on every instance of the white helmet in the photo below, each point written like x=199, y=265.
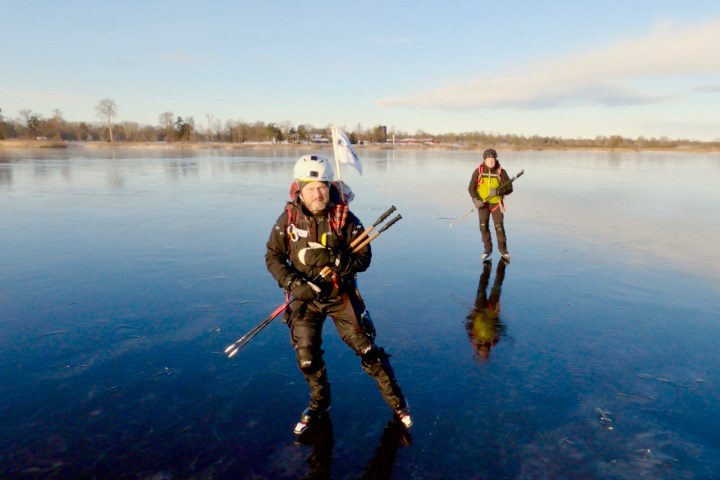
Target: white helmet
x=312, y=168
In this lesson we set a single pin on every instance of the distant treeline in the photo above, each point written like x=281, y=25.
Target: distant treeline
x=172, y=128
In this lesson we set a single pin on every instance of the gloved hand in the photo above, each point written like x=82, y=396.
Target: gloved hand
x=478, y=203
x=304, y=290
x=492, y=192
x=315, y=255
x=342, y=261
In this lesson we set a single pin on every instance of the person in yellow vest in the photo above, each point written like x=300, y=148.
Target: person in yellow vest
x=488, y=185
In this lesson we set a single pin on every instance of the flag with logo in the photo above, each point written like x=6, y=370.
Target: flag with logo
x=343, y=150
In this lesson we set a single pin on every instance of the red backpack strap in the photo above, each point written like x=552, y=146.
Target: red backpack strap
x=481, y=168
x=291, y=213
x=294, y=191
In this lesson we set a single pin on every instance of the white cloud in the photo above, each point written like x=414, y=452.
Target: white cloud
x=706, y=88
x=608, y=76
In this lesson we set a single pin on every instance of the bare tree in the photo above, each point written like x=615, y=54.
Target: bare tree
x=190, y=120
x=55, y=125
x=167, y=120
x=32, y=122
x=210, y=131
x=285, y=126
x=107, y=110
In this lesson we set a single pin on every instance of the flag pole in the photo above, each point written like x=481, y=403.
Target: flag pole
x=333, y=131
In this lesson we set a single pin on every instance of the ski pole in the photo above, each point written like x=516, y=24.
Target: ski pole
x=365, y=233
x=519, y=174
x=242, y=341
x=457, y=220
x=374, y=235
x=233, y=349
x=359, y=246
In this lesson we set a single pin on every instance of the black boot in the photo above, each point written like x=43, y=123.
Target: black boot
x=319, y=400
x=377, y=365
x=308, y=417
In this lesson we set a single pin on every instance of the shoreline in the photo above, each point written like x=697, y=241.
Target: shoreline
x=59, y=144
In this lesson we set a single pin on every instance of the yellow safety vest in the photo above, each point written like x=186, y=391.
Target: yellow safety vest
x=486, y=182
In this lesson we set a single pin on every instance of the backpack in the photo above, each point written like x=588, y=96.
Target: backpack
x=340, y=211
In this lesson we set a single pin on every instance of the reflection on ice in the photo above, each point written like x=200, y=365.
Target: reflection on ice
x=484, y=326
x=123, y=279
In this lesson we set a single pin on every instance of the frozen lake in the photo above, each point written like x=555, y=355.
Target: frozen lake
x=123, y=277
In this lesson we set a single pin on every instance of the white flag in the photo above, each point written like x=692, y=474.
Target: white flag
x=343, y=149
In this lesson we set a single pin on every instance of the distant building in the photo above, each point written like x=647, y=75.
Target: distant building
x=317, y=138
x=381, y=131
x=416, y=141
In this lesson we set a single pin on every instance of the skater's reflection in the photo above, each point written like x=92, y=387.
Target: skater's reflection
x=483, y=323
x=320, y=437
x=394, y=436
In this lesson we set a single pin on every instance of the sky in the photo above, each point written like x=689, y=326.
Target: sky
x=571, y=69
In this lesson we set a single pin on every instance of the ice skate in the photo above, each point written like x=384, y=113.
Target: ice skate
x=309, y=415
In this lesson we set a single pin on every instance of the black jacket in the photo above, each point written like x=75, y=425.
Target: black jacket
x=281, y=256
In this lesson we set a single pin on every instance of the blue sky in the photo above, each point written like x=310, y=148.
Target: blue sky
x=550, y=68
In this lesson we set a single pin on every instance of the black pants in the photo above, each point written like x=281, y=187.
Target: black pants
x=306, y=324
x=498, y=217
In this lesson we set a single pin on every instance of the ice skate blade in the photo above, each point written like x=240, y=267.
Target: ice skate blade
x=406, y=421
x=301, y=427
x=309, y=418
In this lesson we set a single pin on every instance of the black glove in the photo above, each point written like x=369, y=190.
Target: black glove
x=342, y=261
x=478, y=203
x=304, y=290
x=315, y=255
x=507, y=190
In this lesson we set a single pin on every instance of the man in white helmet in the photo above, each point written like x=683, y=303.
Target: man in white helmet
x=307, y=237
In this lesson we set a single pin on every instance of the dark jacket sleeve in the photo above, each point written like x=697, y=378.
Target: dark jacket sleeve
x=358, y=261
x=506, y=188
x=472, y=187
x=276, y=254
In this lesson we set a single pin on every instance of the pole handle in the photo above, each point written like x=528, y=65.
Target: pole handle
x=366, y=232
x=363, y=244
x=390, y=223
x=356, y=247
x=384, y=216
x=374, y=235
